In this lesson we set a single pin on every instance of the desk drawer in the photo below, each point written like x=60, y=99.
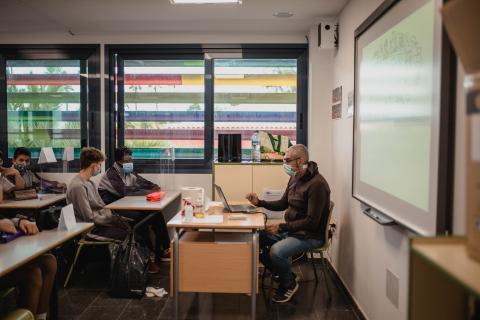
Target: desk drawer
x=215, y=263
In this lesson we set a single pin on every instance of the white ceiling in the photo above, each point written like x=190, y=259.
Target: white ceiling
x=146, y=16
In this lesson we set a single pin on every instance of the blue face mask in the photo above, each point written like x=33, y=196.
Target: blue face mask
x=128, y=167
x=289, y=170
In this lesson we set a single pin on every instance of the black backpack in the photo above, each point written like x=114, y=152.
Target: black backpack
x=128, y=268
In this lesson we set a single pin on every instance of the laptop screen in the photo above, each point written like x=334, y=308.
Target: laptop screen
x=222, y=197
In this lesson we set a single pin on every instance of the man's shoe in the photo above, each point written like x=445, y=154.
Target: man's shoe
x=166, y=255
x=283, y=295
x=153, y=267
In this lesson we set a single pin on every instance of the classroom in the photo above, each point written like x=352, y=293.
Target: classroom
x=240, y=159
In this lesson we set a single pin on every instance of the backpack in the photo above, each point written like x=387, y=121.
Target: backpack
x=128, y=268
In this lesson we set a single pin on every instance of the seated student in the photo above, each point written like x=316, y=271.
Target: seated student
x=10, y=173
x=307, y=202
x=35, y=279
x=87, y=203
x=119, y=181
x=21, y=162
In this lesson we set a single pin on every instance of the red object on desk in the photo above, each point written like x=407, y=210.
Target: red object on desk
x=155, y=196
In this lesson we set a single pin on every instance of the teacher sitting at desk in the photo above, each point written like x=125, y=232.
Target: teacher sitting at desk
x=35, y=280
x=306, y=201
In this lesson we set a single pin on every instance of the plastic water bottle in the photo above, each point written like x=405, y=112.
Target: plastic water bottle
x=256, y=147
x=188, y=212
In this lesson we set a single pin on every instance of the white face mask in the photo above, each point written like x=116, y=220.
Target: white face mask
x=97, y=171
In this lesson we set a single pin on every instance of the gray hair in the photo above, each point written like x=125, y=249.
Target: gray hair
x=300, y=151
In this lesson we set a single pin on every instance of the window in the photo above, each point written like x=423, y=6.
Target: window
x=164, y=106
x=183, y=96
x=48, y=95
x=255, y=94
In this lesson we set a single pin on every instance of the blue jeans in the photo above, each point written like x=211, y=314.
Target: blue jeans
x=276, y=249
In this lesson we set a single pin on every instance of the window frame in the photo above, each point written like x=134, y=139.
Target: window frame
x=89, y=56
x=208, y=53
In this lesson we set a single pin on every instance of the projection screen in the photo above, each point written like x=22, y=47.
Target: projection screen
x=397, y=123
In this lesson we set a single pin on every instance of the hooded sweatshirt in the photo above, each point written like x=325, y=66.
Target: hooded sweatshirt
x=307, y=202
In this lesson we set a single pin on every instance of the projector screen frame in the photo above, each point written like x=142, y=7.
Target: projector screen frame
x=446, y=148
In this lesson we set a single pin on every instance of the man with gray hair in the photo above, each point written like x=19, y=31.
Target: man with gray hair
x=306, y=202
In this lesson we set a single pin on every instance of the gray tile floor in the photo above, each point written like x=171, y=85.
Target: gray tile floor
x=87, y=298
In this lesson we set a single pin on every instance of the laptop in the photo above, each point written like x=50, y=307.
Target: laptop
x=245, y=208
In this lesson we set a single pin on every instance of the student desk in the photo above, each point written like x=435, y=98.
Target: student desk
x=221, y=260
x=168, y=206
x=45, y=200
x=25, y=249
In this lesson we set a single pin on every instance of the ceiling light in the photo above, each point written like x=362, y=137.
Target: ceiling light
x=282, y=14
x=206, y=1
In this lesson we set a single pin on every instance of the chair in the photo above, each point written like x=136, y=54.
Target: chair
x=83, y=243
x=15, y=314
x=322, y=249
x=19, y=314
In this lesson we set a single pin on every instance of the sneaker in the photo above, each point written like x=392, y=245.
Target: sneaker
x=166, y=255
x=298, y=257
x=153, y=267
x=283, y=295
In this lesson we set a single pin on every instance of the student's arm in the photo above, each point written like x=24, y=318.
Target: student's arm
x=145, y=184
x=78, y=196
x=14, y=176
x=46, y=184
x=317, y=200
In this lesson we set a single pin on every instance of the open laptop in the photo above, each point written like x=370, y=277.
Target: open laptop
x=245, y=208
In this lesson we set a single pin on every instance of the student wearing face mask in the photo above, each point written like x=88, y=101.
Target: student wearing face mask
x=87, y=203
x=306, y=202
x=121, y=180
x=10, y=178
x=21, y=162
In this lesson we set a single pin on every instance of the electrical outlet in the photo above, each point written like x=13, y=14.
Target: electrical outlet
x=392, y=288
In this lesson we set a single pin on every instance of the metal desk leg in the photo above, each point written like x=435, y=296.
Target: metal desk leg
x=254, y=274
x=175, y=272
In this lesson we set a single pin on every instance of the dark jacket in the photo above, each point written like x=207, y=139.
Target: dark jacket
x=115, y=184
x=307, y=202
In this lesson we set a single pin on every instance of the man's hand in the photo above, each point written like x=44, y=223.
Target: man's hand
x=7, y=226
x=11, y=172
x=253, y=198
x=272, y=228
x=28, y=227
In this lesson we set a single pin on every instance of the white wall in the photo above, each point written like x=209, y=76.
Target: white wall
x=319, y=101
x=363, y=250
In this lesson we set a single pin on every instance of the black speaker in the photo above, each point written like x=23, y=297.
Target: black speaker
x=229, y=147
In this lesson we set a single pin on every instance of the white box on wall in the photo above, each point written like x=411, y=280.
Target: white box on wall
x=327, y=34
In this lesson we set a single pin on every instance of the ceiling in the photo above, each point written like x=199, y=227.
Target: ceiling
x=149, y=16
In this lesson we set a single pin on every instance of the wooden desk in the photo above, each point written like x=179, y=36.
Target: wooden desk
x=442, y=277
x=216, y=261
x=25, y=249
x=34, y=204
x=168, y=206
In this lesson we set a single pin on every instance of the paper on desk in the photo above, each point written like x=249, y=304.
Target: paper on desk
x=209, y=219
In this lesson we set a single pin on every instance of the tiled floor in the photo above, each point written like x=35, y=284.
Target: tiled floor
x=88, y=299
